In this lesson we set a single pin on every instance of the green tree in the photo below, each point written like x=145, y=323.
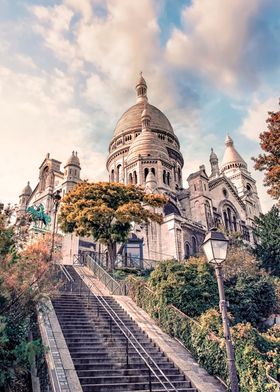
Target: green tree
x=267, y=250
x=252, y=298
x=106, y=210
x=270, y=161
x=190, y=286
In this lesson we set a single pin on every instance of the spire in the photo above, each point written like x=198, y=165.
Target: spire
x=141, y=89
x=232, y=159
x=214, y=162
x=213, y=156
x=228, y=141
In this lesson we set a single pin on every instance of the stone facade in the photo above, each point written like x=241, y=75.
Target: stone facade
x=145, y=151
x=52, y=179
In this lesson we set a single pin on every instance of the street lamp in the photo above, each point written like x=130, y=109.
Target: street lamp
x=56, y=200
x=215, y=248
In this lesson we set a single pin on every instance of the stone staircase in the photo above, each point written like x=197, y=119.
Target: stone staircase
x=112, y=354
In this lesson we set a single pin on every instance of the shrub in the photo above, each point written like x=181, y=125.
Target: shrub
x=256, y=354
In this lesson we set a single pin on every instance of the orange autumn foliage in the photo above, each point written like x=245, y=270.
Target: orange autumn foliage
x=269, y=162
x=29, y=266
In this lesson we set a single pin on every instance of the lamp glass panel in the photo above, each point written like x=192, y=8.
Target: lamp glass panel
x=219, y=250
x=208, y=250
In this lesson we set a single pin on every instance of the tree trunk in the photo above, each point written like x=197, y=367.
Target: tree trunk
x=112, y=250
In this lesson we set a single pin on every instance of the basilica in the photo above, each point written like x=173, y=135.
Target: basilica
x=145, y=151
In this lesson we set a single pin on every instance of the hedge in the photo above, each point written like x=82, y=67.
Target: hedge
x=256, y=355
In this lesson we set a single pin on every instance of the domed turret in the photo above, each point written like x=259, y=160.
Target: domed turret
x=24, y=197
x=232, y=159
x=73, y=160
x=143, y=140
x=147, y=143
x=72, y=168
x=26, y=190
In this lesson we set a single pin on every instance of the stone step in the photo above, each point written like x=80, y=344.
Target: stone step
x=125, y=372
x=98, y=346
x=117, y=387
x=110, y=379
x=86, y=364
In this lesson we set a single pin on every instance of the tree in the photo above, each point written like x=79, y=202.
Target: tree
x=270, y=161
x=190, y=286
x=239, y=260
x=24, y=276
x=267, y=250
x=252, y=298
x=106, y=211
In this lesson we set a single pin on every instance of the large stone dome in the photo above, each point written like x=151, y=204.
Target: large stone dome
x=131, y=119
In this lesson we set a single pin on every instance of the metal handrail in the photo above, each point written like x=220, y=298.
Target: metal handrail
x=113, y=316
x=273, y=380
x=103, y=275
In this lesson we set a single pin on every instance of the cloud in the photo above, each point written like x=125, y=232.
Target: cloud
x=255, y=120
x=70, y=91
x=214, y=39
x=39, y=115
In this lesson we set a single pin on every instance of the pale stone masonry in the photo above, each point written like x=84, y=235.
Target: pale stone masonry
x=145, y=151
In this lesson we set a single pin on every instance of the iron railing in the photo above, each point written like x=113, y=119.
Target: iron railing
x=114, y=287
x=130, y=339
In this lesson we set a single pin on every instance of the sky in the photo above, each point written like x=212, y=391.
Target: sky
x=68, y=70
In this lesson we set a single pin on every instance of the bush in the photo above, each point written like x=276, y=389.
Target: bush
x=256, y=354
x=251, y=298
x=190, y=286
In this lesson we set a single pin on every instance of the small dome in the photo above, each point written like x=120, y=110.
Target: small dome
x=231, y=157
x=73, y=160
x=131, y=119
x=26, y=190
x=147, y=144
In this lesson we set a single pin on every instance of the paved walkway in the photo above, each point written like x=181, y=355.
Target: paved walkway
x=173, y=349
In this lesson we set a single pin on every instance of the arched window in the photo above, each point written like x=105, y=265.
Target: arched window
x=44, y=178
x=164, y=176
x=146, y=171
x=226, y=220
x=130, y=180
x=113, y=175
x=194, y=246
x=153, y=170
x=234, y=223
x=208, y=213
x=168, y=178
x=118, y=179
x=179, y=175
x=187, y=250
x=230, y=218
x=134, y=177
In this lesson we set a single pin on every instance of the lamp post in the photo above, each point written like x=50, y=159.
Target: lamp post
x=56, y=200
x=215, y=248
